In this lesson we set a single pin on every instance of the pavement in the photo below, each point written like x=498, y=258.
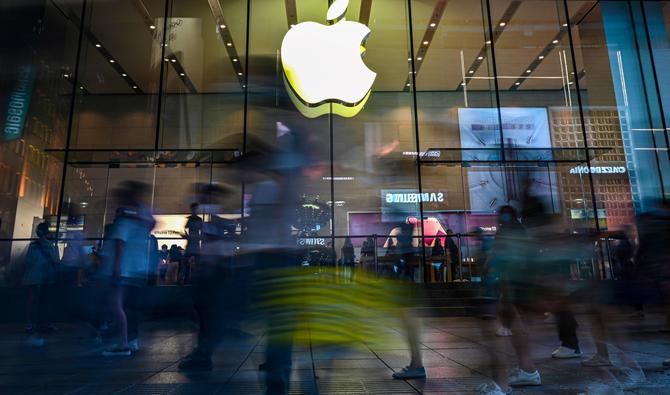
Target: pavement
x=456, y=352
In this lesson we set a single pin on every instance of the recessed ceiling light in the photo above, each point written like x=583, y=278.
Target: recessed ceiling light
x=570, y=83
x=124, y=75
x=480, y=57
x=419, y=58
x=529, y=71
x=152, y=27
x=167, y=60
x=409, y=59
x=408, y=84
x=222, y=26
x=488, y=42
x=541, y=57
x=462, y=83
x=81, y=87
x=239, y=73
x=565, y=25
x=173, y=60
x=425, y=43
x=517, y=83
x=235, y=60
x=471, y=72
x=98, y=45
x=112, y=60
x=433, y=24
x=66, y=75
x=182, y=74
x=134, y=86
x=229, y=44
x=502, y=24
x=555, y=42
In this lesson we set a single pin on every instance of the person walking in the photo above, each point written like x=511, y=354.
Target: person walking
x=348, y=259
x=41, y=267
x=193, y=233
x=128, y=263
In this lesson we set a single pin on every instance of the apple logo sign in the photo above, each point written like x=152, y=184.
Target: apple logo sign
x=323, y=65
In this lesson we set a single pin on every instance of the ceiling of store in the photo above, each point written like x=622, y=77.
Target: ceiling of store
x=123, y=29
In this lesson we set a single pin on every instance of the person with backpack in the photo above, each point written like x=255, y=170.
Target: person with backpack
x=41, y=267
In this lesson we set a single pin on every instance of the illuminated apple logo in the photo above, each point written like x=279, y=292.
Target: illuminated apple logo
x=323, y=65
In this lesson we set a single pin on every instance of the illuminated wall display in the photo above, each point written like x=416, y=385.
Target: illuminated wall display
x=323, y=65
x=17, y=105
x=598, y=170
x=397, y=204
x=432, y=197
x=425, y=154
x=311, y=241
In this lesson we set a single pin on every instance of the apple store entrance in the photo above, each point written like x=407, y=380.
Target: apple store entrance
x=423, y=115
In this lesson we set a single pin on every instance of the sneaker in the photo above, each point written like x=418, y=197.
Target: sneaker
x=117, y=352
x=134, y=345
x=194, y=363
x=503, y=332
x=492, y=389
x=410, y=373
x=35, y=341
x=566, y=353
x=520, y=377
x=596, y=361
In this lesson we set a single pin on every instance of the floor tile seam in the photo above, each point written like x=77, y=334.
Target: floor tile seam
x=315, y=382
x=163, y=370
x=239, y=367
x=391, y=369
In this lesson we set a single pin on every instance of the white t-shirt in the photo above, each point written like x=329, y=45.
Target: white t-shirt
x=134, y=233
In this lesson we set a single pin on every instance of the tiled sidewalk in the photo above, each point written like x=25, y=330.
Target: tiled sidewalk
x=455, y=354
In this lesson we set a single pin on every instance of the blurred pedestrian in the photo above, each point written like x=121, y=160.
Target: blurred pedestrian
x=175, y=257
x=41, y=267
x=348, y=258
x=220, y=288
x=451, y=247
x=409, y=321
x=509, y=257
x=128, y=263
x=193, y=232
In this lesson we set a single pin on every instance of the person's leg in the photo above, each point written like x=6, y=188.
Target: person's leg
x=520, y=341
x=567, y=329
x=130, y=307
x=411, y=325
x=43, y=308
x=31, y=306
x=120, y=316
x=499, y=362
x=278, y=361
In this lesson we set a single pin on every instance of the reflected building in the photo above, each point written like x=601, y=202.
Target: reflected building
x=470, y=99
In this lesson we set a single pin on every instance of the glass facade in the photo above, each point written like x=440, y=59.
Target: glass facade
x=474, y=104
